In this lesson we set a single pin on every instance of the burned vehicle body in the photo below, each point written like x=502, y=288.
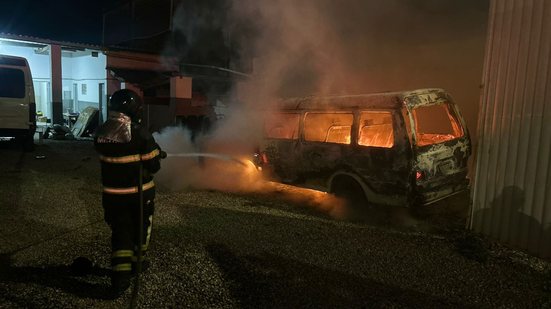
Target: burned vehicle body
x=399, y=148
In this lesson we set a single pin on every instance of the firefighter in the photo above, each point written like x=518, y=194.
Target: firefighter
x=125, y=147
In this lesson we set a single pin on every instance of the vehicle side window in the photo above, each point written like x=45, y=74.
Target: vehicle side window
x=282, y=126
x=376, y=129
x=328, y=127
x=436, y=124
x=12, y=83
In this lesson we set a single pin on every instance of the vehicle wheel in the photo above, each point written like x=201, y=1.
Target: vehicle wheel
x=350, y=190
x=27, y=142
x=416, y=208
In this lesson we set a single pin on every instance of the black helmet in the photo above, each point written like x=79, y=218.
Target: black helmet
x=127, y=102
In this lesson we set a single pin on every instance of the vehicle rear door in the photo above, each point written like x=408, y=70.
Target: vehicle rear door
x=441, y=149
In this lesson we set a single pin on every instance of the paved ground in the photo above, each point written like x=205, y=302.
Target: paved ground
x=273, y=248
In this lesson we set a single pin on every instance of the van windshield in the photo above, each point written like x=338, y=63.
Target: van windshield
x=436, y=124
x=12, y=83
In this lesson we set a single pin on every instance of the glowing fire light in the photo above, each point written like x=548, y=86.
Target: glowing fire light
x=240, y=175
x=186, y=167
x=326, y=202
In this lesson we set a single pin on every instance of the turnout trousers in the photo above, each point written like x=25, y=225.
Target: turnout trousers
x=121, y=212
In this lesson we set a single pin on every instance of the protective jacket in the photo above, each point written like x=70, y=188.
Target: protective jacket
x=122, y=147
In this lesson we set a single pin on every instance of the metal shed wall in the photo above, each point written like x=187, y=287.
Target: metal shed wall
x=512, y=188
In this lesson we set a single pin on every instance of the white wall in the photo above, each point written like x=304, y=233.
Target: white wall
x=84, y=70
x=88, y=70
x=40, y=64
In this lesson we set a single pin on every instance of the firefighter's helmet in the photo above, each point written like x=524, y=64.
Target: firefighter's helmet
x=127, y=102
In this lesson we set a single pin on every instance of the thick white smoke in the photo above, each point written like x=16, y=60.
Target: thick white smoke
x=191, y=166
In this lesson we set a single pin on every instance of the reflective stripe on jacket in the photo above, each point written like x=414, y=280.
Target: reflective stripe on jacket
x=131, y=158
x=121, y=162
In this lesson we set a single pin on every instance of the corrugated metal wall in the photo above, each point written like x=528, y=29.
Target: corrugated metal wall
x=512, y=188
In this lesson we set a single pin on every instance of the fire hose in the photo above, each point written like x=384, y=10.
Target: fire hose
x=135, y=291
x=140, y=238
x=204, y=155
x=163, y=155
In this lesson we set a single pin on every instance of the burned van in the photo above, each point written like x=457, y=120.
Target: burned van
x=400, y=148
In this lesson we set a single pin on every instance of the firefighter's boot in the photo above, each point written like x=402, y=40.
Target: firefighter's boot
x=121, y=271
x=120, y=282
x=145, y=267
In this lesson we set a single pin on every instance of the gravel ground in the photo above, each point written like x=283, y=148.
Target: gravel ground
x=243, y=250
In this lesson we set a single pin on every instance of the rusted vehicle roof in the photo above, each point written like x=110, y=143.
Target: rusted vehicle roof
x=384, y=100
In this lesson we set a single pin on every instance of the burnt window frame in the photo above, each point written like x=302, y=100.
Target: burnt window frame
x=352, y=126
x=296, y=136
x=392, y=115
x=452, y=114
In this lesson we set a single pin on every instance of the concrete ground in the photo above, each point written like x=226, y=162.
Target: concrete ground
x=262, y=249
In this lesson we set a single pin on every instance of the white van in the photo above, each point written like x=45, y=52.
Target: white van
x=17, y=102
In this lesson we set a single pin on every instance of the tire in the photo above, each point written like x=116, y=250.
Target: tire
x=27, y=142
x=350, y=190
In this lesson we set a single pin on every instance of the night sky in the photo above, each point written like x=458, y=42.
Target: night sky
x=367, y=45
x=77, y=21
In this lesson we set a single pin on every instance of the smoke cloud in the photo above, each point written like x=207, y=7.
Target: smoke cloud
x=197, y=168
x=318, y=47
x=336, y=47
x=229, y=171
x=358, y=46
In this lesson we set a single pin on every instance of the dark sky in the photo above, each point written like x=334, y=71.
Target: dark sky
x=63, y=20
x=367, y=45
